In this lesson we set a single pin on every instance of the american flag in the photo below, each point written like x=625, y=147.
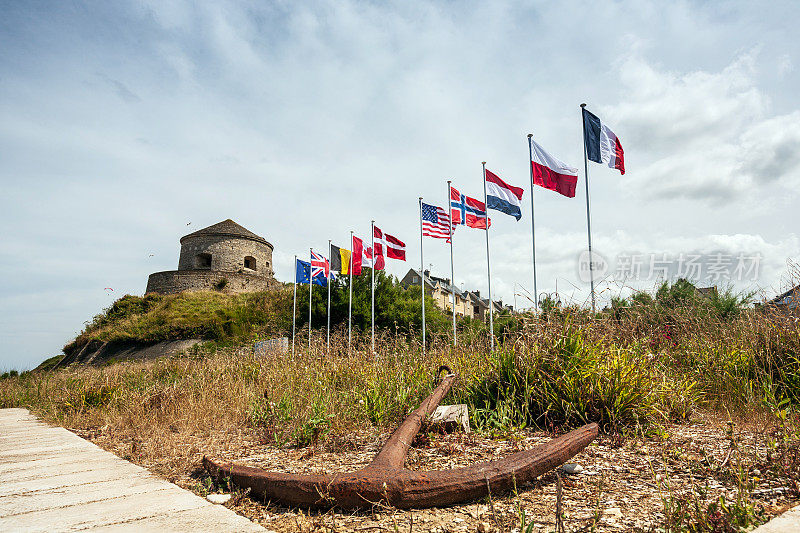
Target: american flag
x=435, y=222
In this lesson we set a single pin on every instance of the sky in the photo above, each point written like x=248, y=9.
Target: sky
x=125, y=125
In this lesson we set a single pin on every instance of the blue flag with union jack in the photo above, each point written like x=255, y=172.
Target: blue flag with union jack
x=302, y=269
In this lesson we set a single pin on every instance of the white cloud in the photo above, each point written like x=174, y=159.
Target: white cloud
x=704, y=135
x=301, y=121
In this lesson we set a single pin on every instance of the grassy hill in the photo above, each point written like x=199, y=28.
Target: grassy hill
x=232, y=319
x=207, y=315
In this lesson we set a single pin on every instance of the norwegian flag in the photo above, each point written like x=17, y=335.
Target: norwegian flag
x=394, y=247
x=435, y=222
x=319, y=266
x=468, y=211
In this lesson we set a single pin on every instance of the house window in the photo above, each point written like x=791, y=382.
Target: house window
x=250, y=262
x=202, y=261
x=416, y=279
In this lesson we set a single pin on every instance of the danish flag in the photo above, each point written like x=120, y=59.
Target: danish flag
x=395, y=248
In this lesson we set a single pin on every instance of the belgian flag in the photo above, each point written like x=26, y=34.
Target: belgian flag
x=340, y=260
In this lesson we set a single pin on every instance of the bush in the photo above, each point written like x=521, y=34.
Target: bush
x=572, y=381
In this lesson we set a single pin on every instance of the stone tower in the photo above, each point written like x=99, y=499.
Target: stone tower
x=224, y=257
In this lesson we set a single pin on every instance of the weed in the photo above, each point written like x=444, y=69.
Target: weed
x=87, y=397
x=317, y=425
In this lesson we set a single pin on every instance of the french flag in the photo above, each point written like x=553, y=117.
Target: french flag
x=502, y=196
x=551, y=173
x=602, y=145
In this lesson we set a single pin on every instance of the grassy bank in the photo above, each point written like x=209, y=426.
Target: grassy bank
x=636, y=368
x=565, y=367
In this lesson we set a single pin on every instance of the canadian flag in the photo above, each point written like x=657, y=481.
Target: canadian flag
x=379, y=261
x=395, y=248
x=357, y=257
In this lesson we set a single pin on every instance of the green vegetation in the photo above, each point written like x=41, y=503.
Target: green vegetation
x=647, y=359
x=635, y=367
x=207, y=315
x=239, y=319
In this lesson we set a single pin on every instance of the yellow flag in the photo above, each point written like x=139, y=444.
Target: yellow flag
x=345, y=255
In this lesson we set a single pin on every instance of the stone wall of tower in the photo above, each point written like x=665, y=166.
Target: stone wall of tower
x=175, y=281
x=227, y=254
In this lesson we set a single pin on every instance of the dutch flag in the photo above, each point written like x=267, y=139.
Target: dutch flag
x=502, y=196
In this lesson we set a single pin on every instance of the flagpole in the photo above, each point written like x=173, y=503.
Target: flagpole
x=422, y=274
x=310, y=288
x=488, y=268
x=452, y=271
x=374, y=261
x=588, y=217
x=533, y=227
x=328, y=344
x=350, y=300
x=294, y=302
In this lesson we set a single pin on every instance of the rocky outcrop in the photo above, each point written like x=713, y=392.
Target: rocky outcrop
x=97, y=352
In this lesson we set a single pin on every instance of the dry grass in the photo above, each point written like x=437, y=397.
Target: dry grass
x=635, y=371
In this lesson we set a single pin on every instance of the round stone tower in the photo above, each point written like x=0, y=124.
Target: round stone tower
x=224, y=257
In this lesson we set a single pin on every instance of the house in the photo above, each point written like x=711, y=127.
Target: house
x=788, y=301
x=443, y=292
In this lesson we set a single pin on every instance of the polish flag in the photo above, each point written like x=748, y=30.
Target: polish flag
x=602, y=145
x=388, y=245
x=550, y=173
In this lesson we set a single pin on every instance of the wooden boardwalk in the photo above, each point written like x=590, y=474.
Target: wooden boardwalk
x=53, y=480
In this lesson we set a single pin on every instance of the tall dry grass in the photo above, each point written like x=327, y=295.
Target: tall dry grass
x=565, y=367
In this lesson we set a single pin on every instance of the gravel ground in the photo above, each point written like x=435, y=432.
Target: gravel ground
x=622, y=484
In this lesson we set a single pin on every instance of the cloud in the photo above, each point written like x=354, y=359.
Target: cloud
x=704, y=135
x=121, y=89
x=303, y=121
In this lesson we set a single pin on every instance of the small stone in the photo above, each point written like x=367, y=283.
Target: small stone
x=478, y=511
x=572, y=468
x=613, y=512
x=458, y=413
x=219, y=499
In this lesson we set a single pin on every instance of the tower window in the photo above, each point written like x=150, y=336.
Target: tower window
x=202, y=261
x=250, y=262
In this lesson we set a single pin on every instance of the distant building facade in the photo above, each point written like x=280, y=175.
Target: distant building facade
x=224, y=257
x=467, y=303
x=787, y=302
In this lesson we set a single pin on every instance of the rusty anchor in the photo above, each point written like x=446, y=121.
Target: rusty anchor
x=386, y=480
